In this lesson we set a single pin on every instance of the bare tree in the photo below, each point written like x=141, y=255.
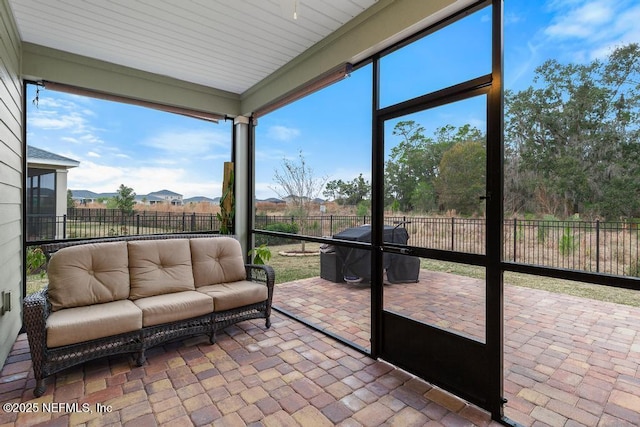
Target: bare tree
x=297, y=185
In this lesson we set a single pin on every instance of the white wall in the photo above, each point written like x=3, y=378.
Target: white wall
x=11, y=178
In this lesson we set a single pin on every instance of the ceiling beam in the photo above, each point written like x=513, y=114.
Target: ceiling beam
x=378, y=27
x=45, y=64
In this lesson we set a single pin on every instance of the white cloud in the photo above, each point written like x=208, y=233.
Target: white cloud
x=95, y=177
x=591, y=30
x=283, y=133
x=270, y=155
x=93, y=154
x=584, y=21
x=264, y=190
x=57, y=114
x=52, y=121
x=193, y=143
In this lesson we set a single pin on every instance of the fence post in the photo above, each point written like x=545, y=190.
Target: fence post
x=193, y=221
x=452, y=233
x=64, y=226
x=137, y=223
x=515, y=238
x=597, y=246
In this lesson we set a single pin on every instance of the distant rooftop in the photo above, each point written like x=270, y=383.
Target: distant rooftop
x=165, y=193
x=40, y=156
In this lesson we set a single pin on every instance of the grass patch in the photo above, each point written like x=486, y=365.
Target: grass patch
x=290, y=268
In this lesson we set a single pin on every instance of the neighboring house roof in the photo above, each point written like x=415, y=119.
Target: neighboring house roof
x=202, y=199
x=43, y=157
x=162, y=193
x=148, y=198
x=83, y=194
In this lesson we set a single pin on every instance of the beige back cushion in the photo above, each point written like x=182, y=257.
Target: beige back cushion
x=217, y=260
x=159, y=267
x=88, y=274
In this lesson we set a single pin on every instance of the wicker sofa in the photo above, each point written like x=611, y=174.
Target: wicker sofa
x=127, y=294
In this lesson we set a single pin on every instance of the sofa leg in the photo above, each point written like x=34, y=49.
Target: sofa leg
x=141, y=359
x=40, y=388
x=212, y=337
x=267, y=323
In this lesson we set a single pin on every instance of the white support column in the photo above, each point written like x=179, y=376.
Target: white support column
x=61, y=200
x=242, y=176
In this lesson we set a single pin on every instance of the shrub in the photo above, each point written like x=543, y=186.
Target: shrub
x=282, y=227
x=544, y=227
x=567, y=242
x=35, y=261
x=634, y=268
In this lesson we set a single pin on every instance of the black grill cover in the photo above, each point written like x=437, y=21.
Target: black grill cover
x=357, y=262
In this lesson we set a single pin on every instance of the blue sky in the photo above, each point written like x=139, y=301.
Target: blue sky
x=150, y=150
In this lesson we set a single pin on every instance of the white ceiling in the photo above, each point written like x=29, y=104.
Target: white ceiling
x=224, y=44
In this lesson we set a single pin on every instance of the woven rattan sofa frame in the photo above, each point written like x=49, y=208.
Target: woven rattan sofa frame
x=48, y=361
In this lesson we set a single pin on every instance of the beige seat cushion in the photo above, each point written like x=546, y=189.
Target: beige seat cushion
x=159, y=267
x=173, y=307
x=227, y=296
x=79, y=324
x=216, y=260
x=88, y=274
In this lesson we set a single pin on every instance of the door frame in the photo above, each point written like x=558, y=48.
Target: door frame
x=439, y=356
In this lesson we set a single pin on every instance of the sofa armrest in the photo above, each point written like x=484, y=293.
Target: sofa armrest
x=36, y=310
x=263, y=274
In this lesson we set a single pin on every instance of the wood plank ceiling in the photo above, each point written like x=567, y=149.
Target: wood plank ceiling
x=225, y=44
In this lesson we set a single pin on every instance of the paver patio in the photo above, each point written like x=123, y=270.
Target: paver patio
x=568, y=362
x=288, y=375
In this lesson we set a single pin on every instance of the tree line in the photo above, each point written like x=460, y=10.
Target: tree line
x=572, y=145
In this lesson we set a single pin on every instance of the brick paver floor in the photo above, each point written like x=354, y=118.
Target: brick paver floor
x=288, y=375
x=568, y=361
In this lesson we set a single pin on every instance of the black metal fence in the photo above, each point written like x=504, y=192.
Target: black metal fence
x=88, y=223
x=593, y=246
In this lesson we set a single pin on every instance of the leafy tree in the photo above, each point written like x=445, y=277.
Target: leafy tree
x=414, y=164
x=572, y=141
x=70, y=202
x=297, y=183
x=348, y=193
x=462, y=178
x=412, y=161
x=125, y=199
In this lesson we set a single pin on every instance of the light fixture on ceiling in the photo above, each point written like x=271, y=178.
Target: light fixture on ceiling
x=289, y=8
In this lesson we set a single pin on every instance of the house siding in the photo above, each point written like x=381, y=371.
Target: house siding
x=11, y=177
